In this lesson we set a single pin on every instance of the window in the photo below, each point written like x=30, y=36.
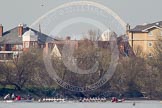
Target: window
x=32, y=44
x=1, y=56
x=19, y=47
x=26, y=44
x=150, y=55
x=149, y=44
x=1, y=47
x=160, y=33
x=12, y=45
x=150, y=33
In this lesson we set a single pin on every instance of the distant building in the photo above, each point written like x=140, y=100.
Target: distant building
x=123, y=45
x=105, y=36
x=19, y=39
x=145, y=36
x=22, y=38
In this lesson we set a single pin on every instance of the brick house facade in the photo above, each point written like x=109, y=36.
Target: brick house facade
x=21, y=38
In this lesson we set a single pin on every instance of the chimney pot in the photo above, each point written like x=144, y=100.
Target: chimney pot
x=128, y=27
x=1, y=30
x=20, y=30
x=68, y=38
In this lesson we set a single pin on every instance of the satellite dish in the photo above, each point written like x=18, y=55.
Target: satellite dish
x=157, y=24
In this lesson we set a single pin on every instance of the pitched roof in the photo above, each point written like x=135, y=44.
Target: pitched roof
x=60, y=47
x=144, y=28
x=11, y=36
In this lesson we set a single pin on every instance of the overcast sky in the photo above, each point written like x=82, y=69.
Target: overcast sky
x=13, y=12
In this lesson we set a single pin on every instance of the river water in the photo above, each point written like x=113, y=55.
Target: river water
x=127, y=104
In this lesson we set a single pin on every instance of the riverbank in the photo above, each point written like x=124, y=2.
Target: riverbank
x=37, y=94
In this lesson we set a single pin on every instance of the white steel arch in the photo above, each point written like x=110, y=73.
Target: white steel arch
x=76, y=3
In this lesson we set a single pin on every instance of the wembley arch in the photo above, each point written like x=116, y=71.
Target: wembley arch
x=87, y=3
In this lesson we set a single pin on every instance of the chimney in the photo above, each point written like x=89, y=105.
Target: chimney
x=20, y=30
x=1, y=30
x=68, y=38
x=127, y=29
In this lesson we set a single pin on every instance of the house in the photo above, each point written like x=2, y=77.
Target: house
x=143, y=37
x=55, y=48
x=125, y=49
x=56, y=51
x=21, y=38
x=106, y=35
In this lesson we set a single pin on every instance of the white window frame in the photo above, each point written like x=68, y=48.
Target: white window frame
x=19, y=47
x=150, y=44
